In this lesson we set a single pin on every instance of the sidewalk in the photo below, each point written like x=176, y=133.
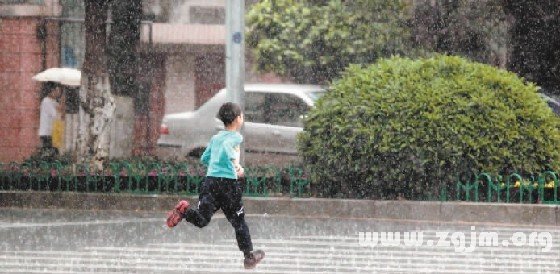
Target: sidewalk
x=106, y=241
x=455, y=212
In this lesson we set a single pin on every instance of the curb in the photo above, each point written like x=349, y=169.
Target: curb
x=520, y=214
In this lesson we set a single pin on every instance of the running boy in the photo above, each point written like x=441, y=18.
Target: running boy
x=221, y=189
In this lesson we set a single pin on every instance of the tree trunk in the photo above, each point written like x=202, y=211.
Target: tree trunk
x=122, y=51
x=97, y=104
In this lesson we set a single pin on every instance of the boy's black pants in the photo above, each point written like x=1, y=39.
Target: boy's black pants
x=221, y=193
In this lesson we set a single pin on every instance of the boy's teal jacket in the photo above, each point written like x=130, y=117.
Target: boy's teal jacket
x=223, y=148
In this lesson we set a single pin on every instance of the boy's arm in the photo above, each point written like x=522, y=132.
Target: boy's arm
x=238, y=168
x=234, y=154
x=205, y=158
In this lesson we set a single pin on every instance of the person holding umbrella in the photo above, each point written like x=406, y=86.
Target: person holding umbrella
x=50, y=110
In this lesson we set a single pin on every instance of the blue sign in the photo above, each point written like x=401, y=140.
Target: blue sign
x=69, y=59
x=237, y=37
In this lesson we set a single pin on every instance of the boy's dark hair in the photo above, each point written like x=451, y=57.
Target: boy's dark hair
x=228, y=112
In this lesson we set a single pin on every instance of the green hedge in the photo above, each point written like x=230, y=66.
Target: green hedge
x=144, y=176
x=403, y=127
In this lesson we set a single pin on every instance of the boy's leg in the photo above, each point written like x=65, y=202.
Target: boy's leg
x=235, y=214
x=207, y=205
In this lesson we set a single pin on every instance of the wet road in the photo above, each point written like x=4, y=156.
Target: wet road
x=61, y=241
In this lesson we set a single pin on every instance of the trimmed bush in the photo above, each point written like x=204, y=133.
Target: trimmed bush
x=403, y=127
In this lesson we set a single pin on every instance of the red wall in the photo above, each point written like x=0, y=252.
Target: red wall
x=20, y=59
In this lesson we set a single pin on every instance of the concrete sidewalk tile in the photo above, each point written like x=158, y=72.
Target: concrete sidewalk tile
x=526, y=214
x=313, y=208
x=487, y=212
x=407, y=210
x=545, y=215
x=362, y=209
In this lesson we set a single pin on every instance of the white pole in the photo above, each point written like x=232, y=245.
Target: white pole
x=235, y=56
x=235, y=51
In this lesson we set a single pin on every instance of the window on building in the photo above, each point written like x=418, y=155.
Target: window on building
x=207, y=15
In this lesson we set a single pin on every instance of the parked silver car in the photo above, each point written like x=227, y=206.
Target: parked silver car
x=273, y=117
x=552, y=103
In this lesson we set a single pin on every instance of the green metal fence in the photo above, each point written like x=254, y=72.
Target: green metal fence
x=514, y=188
x=144, y=177
x=156, y=177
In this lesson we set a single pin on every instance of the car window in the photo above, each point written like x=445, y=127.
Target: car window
x=285, y=110
x=255, y=107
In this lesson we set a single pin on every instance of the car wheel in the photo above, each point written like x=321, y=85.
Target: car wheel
x=197, y=152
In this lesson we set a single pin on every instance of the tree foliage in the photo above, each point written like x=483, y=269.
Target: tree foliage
x=403, y=125
x=474, y=29
x=313, y=41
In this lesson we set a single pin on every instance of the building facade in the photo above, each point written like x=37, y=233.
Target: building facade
x=24, y=51
x=182, y=51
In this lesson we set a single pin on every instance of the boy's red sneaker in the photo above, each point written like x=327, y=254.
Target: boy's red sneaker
x=252, y=260
x=176, y=215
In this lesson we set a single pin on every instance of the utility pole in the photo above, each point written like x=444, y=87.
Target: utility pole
x=235, y=55
x=235, y=51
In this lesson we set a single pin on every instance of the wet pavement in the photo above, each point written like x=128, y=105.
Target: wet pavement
x=63, y=241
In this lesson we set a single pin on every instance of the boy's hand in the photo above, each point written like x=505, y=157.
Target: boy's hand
x=240, y=172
